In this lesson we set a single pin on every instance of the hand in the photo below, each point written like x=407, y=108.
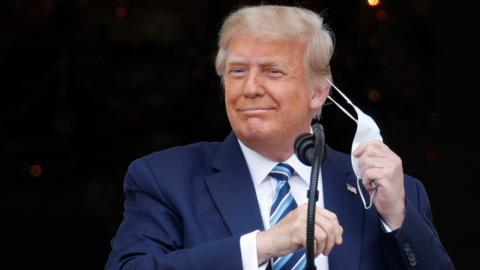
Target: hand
x=378, y=163
x=289, y=234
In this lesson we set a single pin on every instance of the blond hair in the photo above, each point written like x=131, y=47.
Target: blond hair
x=281, y=23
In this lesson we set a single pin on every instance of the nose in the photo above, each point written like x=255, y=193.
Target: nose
x=253, y=86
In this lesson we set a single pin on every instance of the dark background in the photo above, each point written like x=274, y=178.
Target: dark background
x=87, y=86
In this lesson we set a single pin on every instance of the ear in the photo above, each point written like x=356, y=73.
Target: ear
x=319, y=96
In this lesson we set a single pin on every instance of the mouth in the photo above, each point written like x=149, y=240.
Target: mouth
x=255, y=109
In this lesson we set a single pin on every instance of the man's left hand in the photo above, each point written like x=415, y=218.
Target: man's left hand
x=381, y=169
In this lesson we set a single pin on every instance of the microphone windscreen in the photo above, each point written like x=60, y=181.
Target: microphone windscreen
x=304, y=148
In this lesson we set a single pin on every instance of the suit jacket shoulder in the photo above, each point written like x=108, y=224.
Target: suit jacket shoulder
x=171, y=217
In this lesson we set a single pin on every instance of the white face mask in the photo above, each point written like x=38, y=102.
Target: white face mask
x=367, y=130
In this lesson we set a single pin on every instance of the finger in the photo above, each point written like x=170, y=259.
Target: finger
x=339, y=235
x=338, y=230
x=379, y=159
x=361, y=148
x=371, y=162
x=372, y=178
x=326, y=214
x=382, y=156
x=320, y=240
x=328, y=222
x=371, y=174
x=373, y=151
x=325, y=233
x=326, y=219
x=329, y=243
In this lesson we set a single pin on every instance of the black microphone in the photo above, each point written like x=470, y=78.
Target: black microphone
x=309, y=150
x=305, y=143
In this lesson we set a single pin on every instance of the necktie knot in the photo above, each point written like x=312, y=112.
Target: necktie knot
x=283, y=201
x=282, y=172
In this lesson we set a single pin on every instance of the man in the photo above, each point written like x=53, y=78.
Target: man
x=225, y=205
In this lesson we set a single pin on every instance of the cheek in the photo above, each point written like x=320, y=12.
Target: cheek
x=231, y=98
x=231, y=91
x=295, y=97
x=298, y=106
x=227, y=92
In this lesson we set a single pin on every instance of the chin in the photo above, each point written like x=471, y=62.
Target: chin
x=257, y=128
x=255, y=135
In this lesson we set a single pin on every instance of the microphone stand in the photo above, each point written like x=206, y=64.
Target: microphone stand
x=312, y=193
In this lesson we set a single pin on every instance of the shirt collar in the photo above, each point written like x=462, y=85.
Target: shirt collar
x=260, y=166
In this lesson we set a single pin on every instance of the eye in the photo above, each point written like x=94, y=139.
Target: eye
x=275, y=73
x=237, y=71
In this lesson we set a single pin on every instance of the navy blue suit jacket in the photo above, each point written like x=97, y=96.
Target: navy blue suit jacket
x=186, y=208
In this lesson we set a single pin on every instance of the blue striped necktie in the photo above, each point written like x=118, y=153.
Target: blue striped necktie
x=283, y=203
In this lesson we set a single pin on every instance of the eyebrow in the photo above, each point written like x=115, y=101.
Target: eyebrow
x=265, y=61
x=236, y=59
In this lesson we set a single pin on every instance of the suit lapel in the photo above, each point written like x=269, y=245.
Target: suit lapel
x=344, y=203
x=232, y=189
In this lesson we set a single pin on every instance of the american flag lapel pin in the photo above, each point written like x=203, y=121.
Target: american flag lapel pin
x=351, y=188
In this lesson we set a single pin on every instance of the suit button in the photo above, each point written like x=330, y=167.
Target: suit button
x=412, y=259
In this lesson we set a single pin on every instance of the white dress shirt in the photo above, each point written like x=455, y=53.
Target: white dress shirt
x=259, y=167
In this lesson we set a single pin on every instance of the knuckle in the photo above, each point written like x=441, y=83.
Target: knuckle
x=322, y=236
x=389, y=171
x=334, y=216
x=398, y=160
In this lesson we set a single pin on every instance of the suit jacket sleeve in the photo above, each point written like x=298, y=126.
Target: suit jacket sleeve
x=150, y=236
x=416, y=245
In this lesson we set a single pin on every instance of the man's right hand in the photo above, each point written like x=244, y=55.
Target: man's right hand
x=289, y=234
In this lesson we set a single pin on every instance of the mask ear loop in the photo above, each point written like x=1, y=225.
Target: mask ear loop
x=340, y=92
x=360, y=190
x=374, y=185
x=343, y=109
x=338, y=105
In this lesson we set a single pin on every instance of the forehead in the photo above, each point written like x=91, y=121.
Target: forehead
x=246, y=48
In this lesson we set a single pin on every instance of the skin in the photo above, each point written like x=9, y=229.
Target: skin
x=270, y=101
x=377, y=162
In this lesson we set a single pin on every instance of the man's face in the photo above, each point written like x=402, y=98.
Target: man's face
x=268, y=98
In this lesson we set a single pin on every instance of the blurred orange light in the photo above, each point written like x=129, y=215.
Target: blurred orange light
x=35, y=170
x=373, y=3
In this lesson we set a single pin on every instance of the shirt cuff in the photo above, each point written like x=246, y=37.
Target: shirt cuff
x=248, y=247
x=386, y=227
